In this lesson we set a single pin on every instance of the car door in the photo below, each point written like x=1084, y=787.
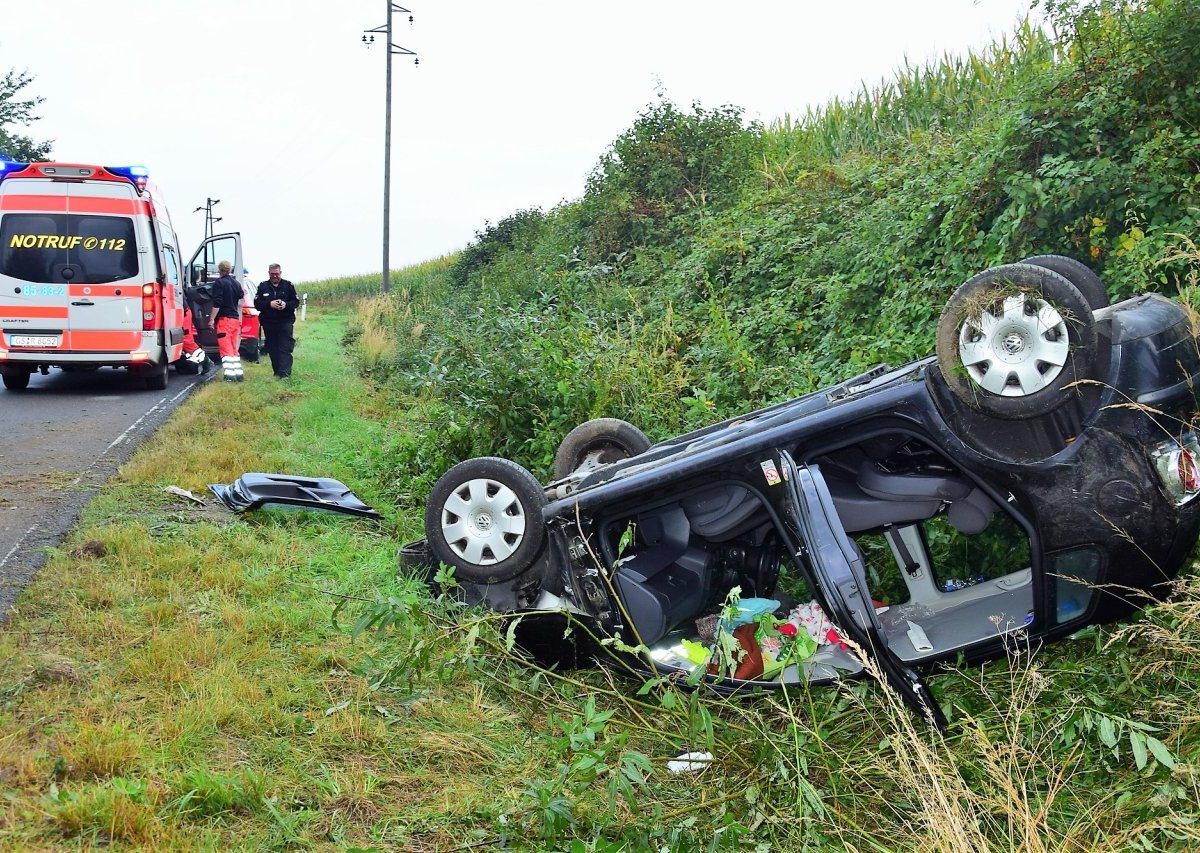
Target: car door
x=219, y=247
x=202, y=268
x=841, y=580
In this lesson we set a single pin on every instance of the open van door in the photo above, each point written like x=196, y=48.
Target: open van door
x=201, y=269
x=841, y=579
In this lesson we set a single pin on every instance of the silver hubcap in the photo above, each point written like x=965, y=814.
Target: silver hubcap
x=483, y=522
x=1017, y=351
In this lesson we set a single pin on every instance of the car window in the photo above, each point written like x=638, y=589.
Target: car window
x=204, y=264
x=961, y=560
x=958, y=560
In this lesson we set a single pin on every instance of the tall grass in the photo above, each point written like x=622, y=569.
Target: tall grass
x=405, y=283
x=947, y=96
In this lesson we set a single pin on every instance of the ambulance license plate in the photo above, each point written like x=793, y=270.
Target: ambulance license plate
x=33, y=340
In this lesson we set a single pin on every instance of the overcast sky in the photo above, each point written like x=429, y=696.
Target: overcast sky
x=276, y=108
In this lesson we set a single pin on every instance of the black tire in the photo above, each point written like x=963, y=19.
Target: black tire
x=248, y=350
x=462, y=520
x=417, y=561
x=155, y=378
x=606, y=440
x=16, y=381
x=1079, y=274
x=1045, y=340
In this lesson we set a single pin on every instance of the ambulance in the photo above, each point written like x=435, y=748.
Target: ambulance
x=91, y=273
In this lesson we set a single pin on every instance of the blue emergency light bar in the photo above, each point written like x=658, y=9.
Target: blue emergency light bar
x=136, y=175
x=9, y=167
x=130, y=172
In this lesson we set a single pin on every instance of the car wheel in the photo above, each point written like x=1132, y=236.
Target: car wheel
x=1079, y=274
x=417, y=561
x=600, y=441
x=1012, y=338
x=248, y=350
x=16, y=381
x=484, y=518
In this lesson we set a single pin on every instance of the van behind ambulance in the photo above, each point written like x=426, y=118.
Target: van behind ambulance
x=90, y=272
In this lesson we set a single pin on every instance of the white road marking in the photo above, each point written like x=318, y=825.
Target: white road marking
x=120, y=438
x=14, y=548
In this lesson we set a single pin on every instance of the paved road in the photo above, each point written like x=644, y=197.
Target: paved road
x=62, y=439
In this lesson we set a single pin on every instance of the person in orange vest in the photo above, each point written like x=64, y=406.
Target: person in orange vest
x=226, y=317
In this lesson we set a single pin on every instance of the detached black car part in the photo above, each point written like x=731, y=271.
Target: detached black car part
x=252, y=491
x=1037, y=475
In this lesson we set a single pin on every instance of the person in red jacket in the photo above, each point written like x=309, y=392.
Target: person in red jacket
x=226, y=317
x=192, y=351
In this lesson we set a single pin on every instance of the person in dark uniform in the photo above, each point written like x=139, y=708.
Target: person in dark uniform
x=276, y=301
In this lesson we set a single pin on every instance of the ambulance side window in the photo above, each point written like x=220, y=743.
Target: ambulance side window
x=172, y=265
x=173, y=270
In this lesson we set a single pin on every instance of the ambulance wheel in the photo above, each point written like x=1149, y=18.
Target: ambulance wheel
x=156, y=377
x=16, y=381
x=484, y=518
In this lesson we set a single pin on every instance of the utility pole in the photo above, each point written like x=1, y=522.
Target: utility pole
x=209, y=222
x=207, y=207
x=392, y=49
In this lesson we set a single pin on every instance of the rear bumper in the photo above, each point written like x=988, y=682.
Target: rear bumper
x=92, y=348
x=31, y=359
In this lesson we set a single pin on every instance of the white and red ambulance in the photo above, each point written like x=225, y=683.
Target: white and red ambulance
x=91, y=274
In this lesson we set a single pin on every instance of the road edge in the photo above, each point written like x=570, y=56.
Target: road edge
x=25, y=559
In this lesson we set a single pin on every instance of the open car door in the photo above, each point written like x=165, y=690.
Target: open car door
x=202, y=269
x=841, y=579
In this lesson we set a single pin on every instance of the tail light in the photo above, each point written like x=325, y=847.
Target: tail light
x=1178, y=466
x=150, y=307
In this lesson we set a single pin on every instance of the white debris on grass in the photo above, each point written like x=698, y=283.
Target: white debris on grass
x=690, y=762
x=183, y=493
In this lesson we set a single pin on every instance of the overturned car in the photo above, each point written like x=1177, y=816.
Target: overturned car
x=1038, y=474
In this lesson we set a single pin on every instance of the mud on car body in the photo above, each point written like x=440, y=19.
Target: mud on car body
x=1037, y=475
